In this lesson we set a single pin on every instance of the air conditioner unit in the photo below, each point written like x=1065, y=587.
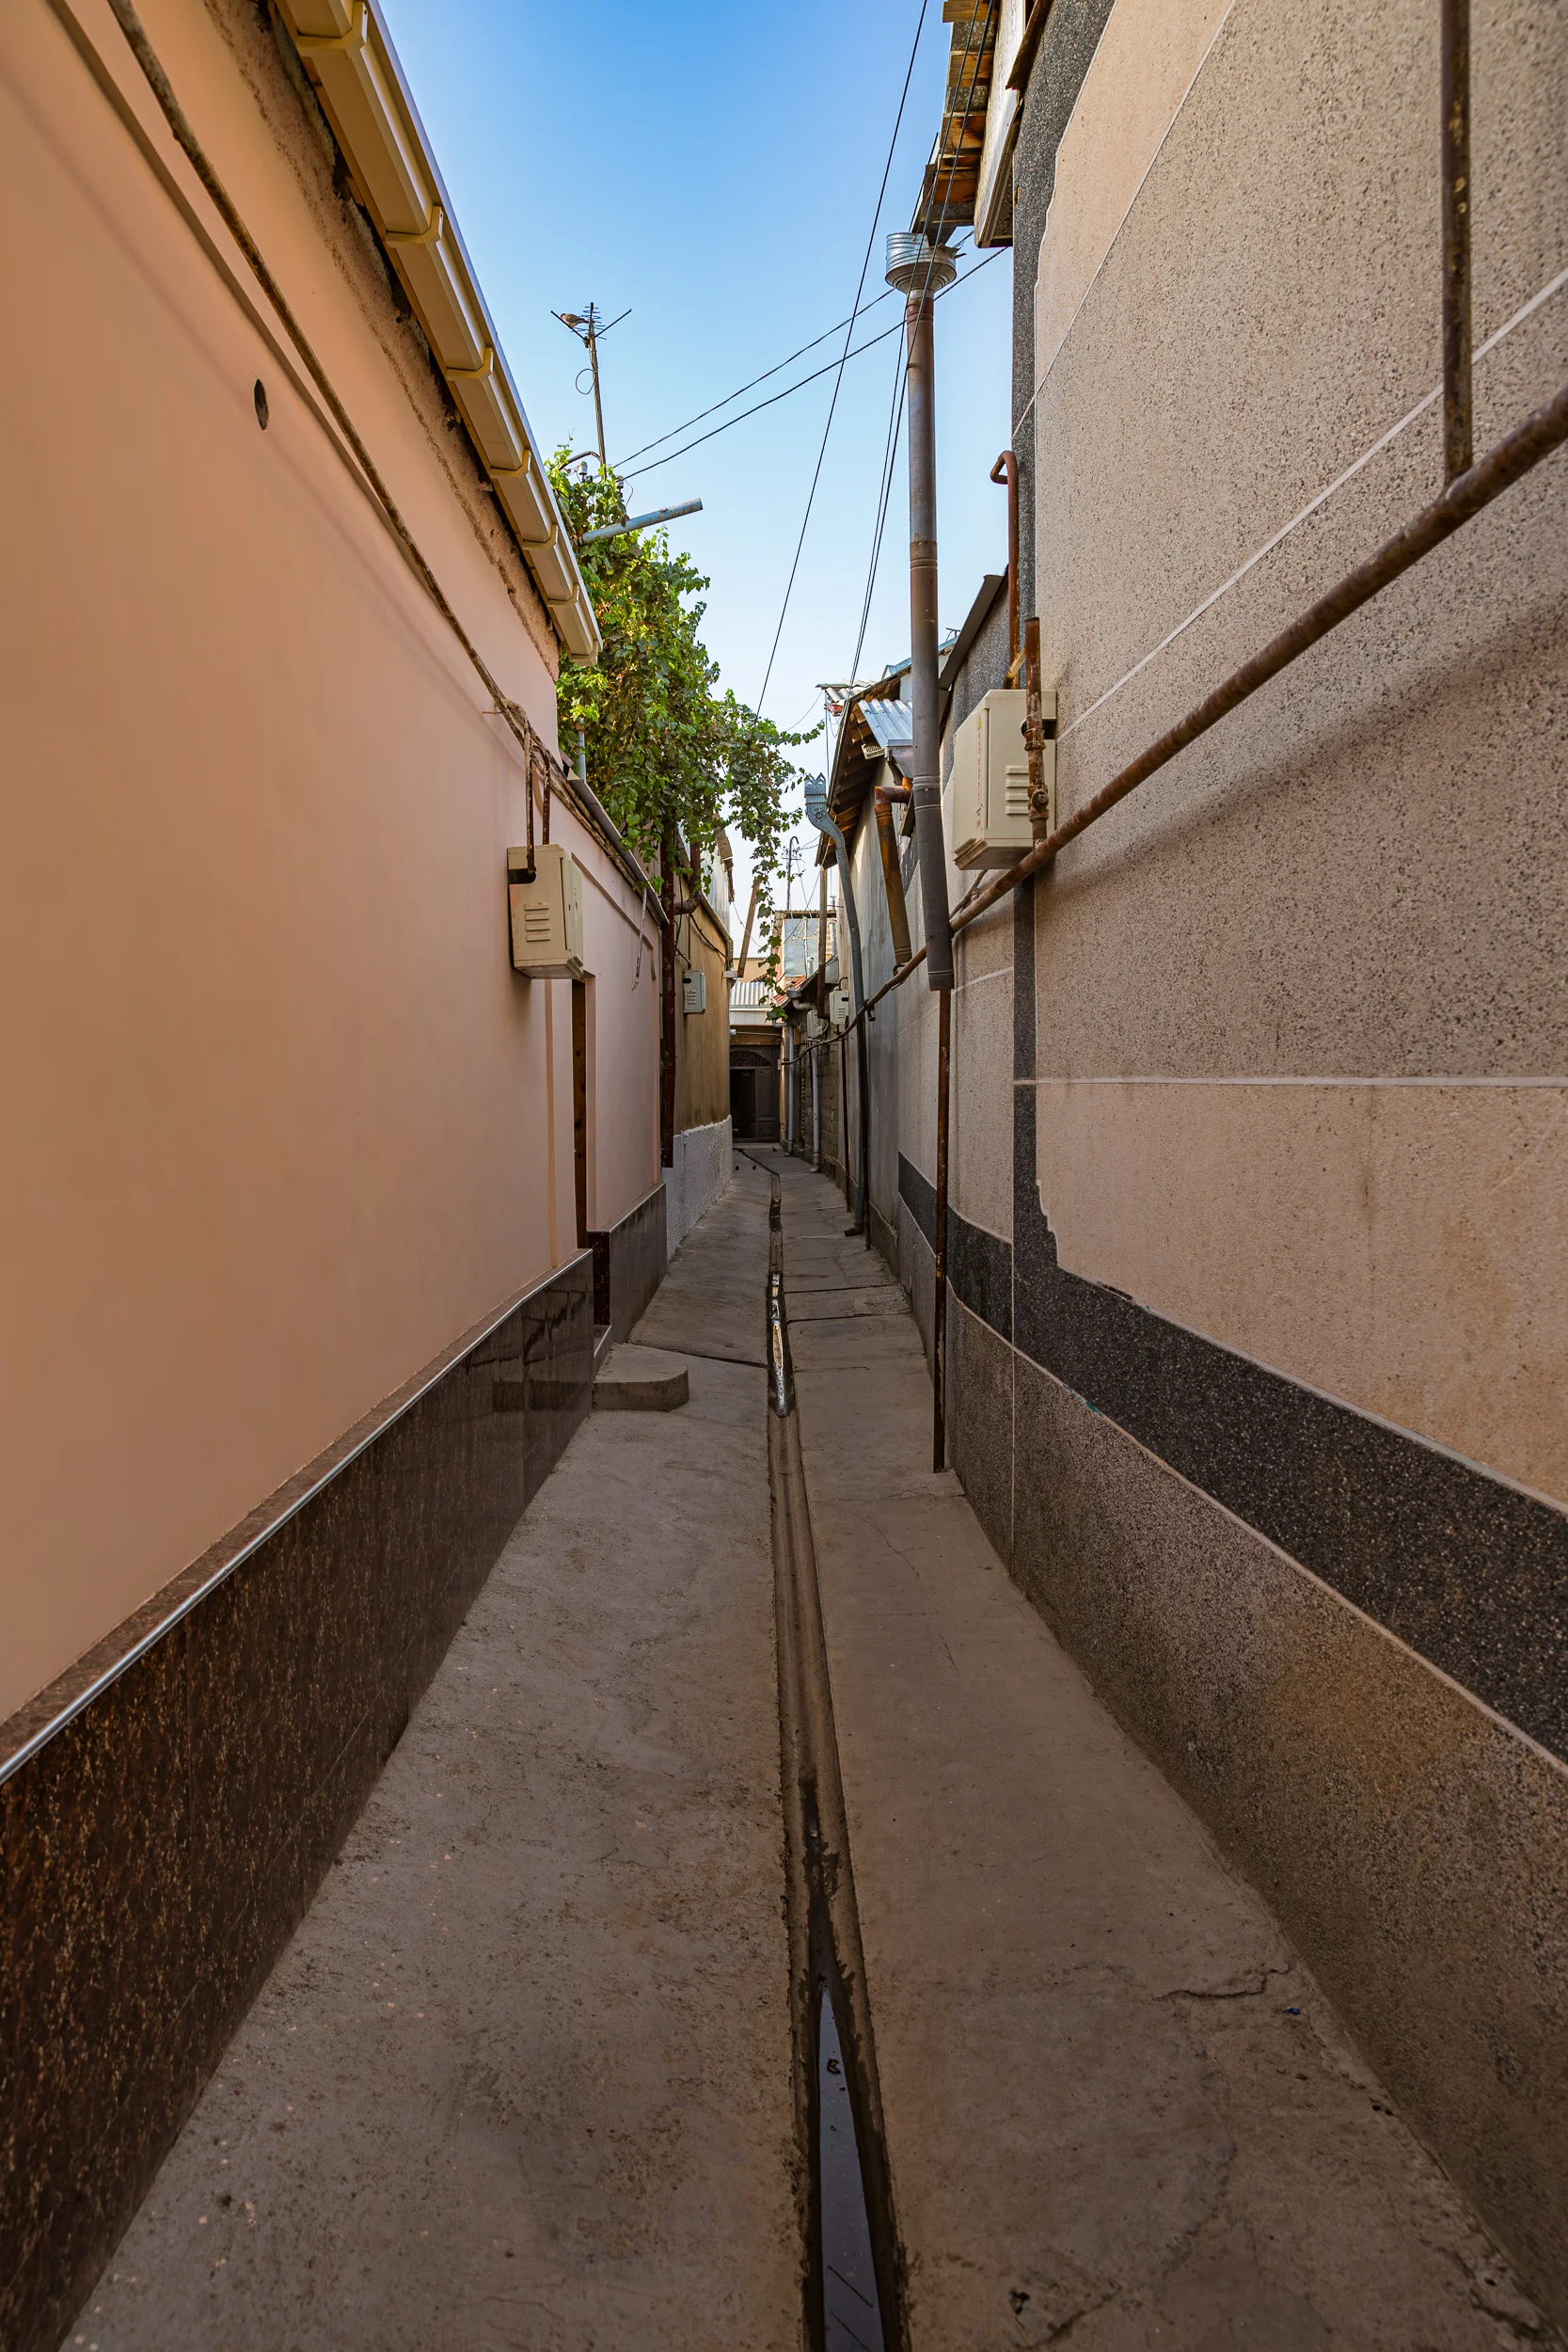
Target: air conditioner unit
x=694, y=992
x=988, y=817
x=547, y=912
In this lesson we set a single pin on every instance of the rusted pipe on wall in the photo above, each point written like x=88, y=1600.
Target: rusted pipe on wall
x=1541, y=431
x=1005, y=469
x=939, y=1308
x=667, y=1006
x=887, y=842
x=1514, y=456
x=1458, y=397
x=1034, y=734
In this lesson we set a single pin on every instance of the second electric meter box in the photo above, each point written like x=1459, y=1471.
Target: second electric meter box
x=547, y=912
x=989, y=787
x=694, y=992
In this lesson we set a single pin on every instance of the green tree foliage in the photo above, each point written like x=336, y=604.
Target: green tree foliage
x=665, y=749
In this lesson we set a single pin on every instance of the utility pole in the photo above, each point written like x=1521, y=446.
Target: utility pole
x=592, y=339
x=590, y=330
x=920, y=270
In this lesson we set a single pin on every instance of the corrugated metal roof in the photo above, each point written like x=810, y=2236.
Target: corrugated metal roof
x=891, y=723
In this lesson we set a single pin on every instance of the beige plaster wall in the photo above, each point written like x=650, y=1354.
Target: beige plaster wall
x=980, y=1115
x=1404, y=1246
x=702, y=1038
x=624, y=1053
x=1359, y=876
x=277, y=1114
x=1148, y=56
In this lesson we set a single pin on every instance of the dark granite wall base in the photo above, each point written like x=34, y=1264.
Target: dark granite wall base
x=630, y=1261
x=158, y=1850
x=1469, y=1570
x=980, y=1421
x=1414, y=1846
x=1306, y=1618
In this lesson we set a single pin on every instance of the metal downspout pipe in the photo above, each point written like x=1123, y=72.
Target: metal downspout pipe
x=919, y=271
x=822, y=1011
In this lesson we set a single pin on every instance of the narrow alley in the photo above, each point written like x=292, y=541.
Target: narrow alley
x=783, y=1201
x=523, y=2077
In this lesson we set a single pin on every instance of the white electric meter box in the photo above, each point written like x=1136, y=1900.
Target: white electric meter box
x=694, y=992
x=838, y=1008
x=547, y=912
x=988, y=789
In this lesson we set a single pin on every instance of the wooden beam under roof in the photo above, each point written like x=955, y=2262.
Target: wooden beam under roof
x=952, y=176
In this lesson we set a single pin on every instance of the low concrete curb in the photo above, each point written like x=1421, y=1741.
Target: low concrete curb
x=640, y=1380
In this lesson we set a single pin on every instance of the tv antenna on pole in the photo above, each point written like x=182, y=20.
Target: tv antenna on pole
x=589, y=329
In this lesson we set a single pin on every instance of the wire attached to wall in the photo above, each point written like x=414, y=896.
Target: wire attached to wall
x=516, y=719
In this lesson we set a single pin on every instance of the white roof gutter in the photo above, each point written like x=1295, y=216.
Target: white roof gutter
x=350, y=59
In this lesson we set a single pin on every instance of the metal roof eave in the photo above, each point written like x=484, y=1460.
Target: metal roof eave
x=354, y=68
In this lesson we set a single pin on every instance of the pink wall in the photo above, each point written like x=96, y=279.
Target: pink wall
x=276, y=1109
x=623, y=1046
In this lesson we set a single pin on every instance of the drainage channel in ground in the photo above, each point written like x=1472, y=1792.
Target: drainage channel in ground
x=853, y=2267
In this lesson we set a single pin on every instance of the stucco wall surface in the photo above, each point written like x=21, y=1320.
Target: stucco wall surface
x=702, y=1038
x=1149, y=56
x=1359, y=875
x=704, y=1167
x=1412, y=1252
x=279, y=1115
x=623, y=1030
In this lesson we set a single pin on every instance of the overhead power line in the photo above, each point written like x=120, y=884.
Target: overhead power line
x=799, y=384
x=860, y=289
x=889, y=460
x=714, y=406
x=902, y=380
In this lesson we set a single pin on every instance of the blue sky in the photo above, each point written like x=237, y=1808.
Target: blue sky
x=714, y=170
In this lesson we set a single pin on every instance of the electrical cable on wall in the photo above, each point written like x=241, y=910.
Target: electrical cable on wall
x=513, y=713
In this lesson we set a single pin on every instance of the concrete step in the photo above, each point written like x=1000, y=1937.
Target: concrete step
x=604, y=1339
x=640, y=1380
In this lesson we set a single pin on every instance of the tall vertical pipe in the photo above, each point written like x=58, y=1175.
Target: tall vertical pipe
x=939, y=1311
x=919, y=271
x=1034, y=734
x=822, y=1012
x=667, y=1003
x=1005, y=469
x=1458, y=403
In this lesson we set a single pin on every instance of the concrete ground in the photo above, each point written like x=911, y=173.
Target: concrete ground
x=523, y=2077
x=1116, y=2106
